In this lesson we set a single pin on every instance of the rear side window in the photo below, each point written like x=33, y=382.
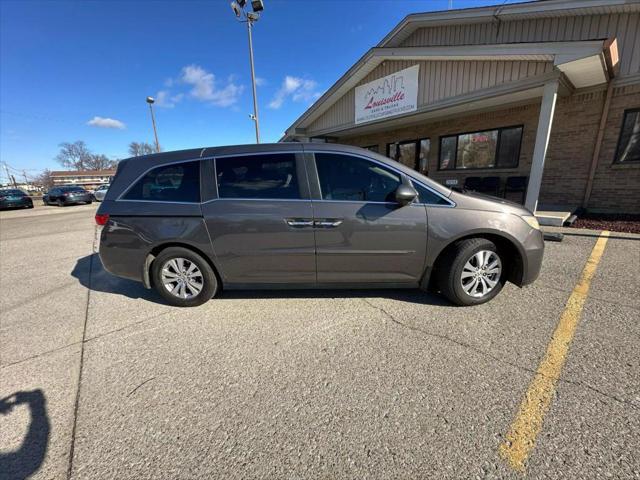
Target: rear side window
x=170, y=183
x=268, y=176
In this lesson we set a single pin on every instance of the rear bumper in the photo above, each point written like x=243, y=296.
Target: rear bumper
x=534, y=253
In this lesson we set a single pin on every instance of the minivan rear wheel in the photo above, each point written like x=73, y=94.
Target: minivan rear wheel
x=472, y=272
x=183, y=277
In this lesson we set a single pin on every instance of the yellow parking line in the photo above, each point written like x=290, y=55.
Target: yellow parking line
x=521, y=438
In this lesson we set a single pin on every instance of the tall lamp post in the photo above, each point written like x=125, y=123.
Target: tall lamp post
x=250, y=18
x=151, y=101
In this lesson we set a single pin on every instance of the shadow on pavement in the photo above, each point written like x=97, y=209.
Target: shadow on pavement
x=25, y=461
x=402, y=295
x=103, y=281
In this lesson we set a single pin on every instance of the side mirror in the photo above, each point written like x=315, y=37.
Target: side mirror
x=405, y=194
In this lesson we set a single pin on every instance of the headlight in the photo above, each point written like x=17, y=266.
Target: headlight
x=532, y=221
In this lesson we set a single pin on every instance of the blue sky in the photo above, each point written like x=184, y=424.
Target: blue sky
x=81, y=70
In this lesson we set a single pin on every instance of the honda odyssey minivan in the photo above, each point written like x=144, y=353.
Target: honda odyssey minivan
x=307, y=215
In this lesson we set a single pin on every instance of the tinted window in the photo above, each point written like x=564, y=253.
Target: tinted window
x=72, y=189
x=258, y=176
x=509, y=147
x=477, y=150
x=425, y=147
x=171, y=183
x=428, y=197
x=12, y=192
x=499, y=148
x=448, y=152
x=343, y=177
x=629, y=142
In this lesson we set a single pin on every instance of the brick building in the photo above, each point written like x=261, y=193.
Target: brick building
x=543, y=93
x=88, y=179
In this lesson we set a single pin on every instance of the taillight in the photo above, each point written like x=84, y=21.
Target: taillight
x=102, y=218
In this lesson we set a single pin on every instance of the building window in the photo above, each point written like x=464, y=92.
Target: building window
x=629, y=142
x=499, y=148
x=412, y=153
x=372, y=148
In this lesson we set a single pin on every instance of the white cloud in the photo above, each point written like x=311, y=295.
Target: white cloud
x=103, y=122
x=260, y=81
x=164, y=99
x=296, y=88
x=205, y=88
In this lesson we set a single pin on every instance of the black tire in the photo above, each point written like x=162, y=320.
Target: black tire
x=209, y=279
x=30, y=205
x=60, y=203
x=449, y=271
x=89, y=202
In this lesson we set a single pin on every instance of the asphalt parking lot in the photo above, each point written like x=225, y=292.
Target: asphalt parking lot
x=329, y=384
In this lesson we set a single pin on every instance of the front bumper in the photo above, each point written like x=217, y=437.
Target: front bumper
x=16, y=203
x=533, y=253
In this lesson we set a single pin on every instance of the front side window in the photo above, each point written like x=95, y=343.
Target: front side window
x=629, y=143
x=178, y=182
x=347, y=178
x=268, y=176
x=428, y=197
x=499, y=148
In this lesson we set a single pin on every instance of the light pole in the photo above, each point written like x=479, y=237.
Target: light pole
x=150, y=101
x=250, y=18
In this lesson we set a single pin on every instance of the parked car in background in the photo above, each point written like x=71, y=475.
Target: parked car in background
x=63, y=196
x=306, y=215
x=100, y=192
x=14, y=198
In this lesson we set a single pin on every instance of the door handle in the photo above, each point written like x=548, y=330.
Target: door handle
x=327, y=223
x=299, y=222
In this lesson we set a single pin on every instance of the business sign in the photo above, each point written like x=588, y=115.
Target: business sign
x=388, y=96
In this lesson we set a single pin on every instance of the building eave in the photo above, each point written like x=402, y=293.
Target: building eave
x=515, y=11
x=568, y=57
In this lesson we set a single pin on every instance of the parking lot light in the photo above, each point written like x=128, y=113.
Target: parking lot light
x=250, y=18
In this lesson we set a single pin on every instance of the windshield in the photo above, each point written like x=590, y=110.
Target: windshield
x=73, y=189
x=11, y=192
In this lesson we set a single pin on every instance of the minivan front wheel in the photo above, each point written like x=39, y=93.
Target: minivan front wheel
x=183, y=277
x=472, y=273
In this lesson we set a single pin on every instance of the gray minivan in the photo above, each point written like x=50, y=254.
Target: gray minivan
x=307, y=215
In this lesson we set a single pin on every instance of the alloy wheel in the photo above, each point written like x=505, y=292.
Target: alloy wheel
x=182, y=278
x=481, y=273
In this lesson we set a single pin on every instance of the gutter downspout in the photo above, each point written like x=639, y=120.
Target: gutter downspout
x=598, y=144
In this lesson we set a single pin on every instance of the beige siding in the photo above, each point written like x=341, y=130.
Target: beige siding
x=438, y=80
x=625, y=27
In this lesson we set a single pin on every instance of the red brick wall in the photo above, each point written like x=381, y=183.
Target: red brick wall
x=616, y=187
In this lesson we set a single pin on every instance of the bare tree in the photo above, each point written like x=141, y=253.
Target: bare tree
x=45, y=179
x=100, y=162
x=142, y=148
x=78, y=157
x=74, y=155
